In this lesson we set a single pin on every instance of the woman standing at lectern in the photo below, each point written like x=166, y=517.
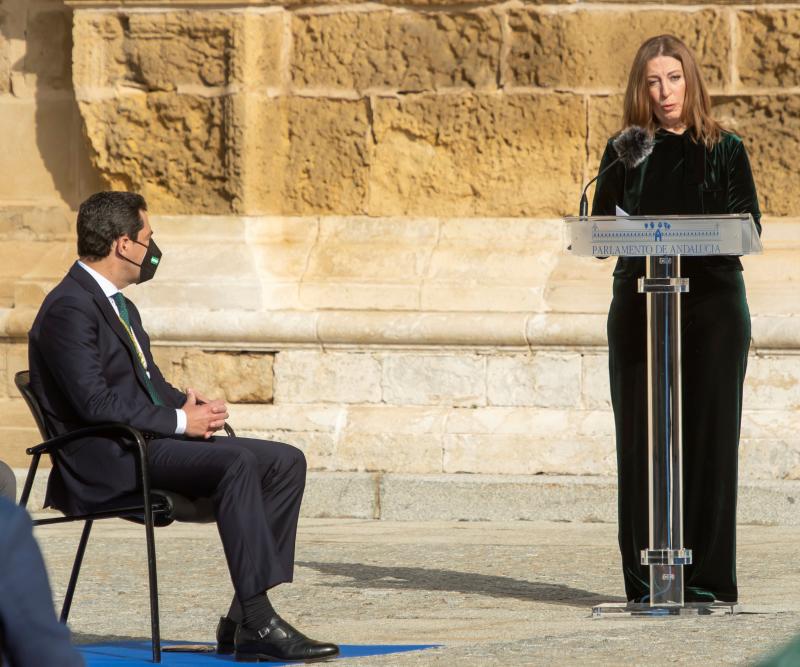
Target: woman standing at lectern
x=696, y=167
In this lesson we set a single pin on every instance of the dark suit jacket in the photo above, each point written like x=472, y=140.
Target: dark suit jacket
x=30, y=633
x=84, y=370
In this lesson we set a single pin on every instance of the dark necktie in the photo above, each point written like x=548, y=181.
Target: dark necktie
x=126, y=321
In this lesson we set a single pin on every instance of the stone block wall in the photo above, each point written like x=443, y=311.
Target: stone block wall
x=447, y=109
x=45, y=158
x=359, y=206
x=413, y=346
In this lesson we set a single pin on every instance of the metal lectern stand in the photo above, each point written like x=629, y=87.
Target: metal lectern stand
x=662, y=241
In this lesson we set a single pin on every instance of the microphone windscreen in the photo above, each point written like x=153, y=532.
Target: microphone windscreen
x=633, y=145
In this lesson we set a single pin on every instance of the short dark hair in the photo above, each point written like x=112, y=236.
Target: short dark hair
x=104, y=217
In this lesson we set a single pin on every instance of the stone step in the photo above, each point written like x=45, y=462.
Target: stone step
x=455, y=497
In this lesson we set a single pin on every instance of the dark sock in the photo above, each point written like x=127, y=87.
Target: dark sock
x=257, y=611
x=236, y=613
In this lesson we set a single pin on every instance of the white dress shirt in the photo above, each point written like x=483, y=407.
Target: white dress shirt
x=110, y=289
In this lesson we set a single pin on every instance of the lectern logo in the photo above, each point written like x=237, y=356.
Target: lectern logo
x=660, y=228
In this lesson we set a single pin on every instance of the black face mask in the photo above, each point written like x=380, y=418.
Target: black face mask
x=150, y=262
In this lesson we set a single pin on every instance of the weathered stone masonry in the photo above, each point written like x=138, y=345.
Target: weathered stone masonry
x=359, y=208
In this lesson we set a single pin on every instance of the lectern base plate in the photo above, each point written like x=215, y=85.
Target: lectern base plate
x=638, y=609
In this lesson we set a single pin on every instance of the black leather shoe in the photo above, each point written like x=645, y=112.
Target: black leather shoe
x=226, y=632
x=279, y=642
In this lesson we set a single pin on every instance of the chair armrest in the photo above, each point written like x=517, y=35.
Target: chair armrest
x=54, y=444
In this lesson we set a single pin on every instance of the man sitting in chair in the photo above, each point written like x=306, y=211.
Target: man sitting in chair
x=90, y=363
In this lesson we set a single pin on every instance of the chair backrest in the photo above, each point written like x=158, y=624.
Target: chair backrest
x=23, y=382
x=195, y=510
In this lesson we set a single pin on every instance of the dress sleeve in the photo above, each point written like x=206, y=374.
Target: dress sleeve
x=742, y=197
x=610, y=186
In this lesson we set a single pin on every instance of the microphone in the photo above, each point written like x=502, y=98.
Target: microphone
x=632, y=146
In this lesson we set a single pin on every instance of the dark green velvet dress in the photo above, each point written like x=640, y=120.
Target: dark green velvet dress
x=682, y=177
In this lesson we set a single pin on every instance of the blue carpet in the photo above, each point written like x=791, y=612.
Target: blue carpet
x=132, y=654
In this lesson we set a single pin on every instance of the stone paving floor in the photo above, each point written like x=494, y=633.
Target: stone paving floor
x=489, y=593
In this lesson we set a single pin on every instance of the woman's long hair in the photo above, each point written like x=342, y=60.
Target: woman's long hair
x=696, y=112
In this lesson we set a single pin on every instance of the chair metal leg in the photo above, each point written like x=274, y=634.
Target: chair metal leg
x=151, y=571
x=26, y=490
x=151, y=547
x=76, y=568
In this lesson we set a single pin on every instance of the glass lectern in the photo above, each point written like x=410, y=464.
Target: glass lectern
x=663, y=240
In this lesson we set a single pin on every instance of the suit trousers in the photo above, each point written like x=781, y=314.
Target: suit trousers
x=256, y=487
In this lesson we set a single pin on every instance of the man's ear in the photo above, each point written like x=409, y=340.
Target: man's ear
x=122, y=243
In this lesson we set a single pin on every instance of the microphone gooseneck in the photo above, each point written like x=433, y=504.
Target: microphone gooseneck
x=584, y=205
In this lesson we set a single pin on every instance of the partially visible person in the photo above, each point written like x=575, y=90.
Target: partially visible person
x=8, y=482
x=30, y=634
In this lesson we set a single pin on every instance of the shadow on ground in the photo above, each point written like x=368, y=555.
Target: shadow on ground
x=425, y=579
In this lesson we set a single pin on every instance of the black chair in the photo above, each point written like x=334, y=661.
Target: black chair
x=150, y=507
